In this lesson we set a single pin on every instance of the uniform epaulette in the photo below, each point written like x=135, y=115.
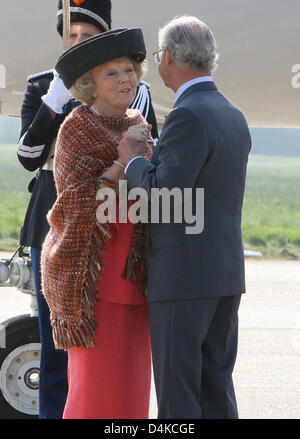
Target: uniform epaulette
x=146, y=84
x=40, y=75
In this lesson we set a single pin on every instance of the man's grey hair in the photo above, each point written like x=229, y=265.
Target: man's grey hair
x=189, y=41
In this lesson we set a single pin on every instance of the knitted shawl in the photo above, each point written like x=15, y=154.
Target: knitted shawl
x=71, y=254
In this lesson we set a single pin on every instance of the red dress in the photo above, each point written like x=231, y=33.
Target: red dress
x=112, y=379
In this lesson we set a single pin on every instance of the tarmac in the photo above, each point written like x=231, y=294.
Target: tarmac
x=267, y=370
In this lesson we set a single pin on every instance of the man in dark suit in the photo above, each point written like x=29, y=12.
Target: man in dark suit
x=195, y=279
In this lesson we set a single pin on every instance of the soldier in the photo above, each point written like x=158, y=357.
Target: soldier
x=46, y=104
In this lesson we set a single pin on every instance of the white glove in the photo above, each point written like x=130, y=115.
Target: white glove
x=58, y=95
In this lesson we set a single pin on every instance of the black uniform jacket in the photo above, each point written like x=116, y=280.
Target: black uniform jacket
x=38, y=133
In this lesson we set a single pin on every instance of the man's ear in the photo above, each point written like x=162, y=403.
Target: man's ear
x=168, y=58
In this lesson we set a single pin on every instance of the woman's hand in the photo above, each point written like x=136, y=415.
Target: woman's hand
x=134, y=142
x=115, y=172
x=111, y=177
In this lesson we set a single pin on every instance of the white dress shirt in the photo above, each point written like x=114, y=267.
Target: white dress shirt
x=188, y=84
x=179, y=92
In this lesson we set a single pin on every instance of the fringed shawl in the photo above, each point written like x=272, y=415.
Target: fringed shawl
x=71, y=253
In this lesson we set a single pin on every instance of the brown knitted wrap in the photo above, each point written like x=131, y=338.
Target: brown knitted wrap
x=71, y=254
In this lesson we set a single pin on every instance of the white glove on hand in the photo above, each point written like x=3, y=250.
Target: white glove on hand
x=58, y=95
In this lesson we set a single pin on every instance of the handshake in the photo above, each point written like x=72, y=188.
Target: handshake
x=134, y=142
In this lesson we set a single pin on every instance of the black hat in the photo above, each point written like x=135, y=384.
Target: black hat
x=98, y=50
x=96, y=12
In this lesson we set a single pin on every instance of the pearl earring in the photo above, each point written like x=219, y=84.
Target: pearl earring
x=95, y=94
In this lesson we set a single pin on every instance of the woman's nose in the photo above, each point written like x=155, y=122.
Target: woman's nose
x=123, y=77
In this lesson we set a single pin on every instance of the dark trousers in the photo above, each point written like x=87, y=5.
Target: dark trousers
x=53, y=386
x=194, y=347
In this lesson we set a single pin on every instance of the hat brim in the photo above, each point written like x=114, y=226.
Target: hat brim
x=98, y=50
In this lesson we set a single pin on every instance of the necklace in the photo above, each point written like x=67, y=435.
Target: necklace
x=95, y=110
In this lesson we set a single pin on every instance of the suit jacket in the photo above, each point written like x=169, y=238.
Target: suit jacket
x=204, y=143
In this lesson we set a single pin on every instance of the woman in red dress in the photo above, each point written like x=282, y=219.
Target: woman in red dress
x=94, y=274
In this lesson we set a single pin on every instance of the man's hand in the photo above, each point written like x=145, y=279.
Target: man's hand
x=133, y=142
x=58, y=95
